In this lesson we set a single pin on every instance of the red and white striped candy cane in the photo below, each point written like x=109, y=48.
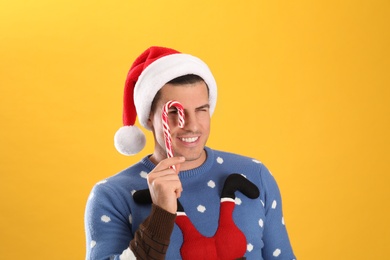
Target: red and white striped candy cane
x=167, y=132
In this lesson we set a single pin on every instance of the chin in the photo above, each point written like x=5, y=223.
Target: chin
x=192, y=156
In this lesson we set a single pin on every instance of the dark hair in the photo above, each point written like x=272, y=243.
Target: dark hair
x=186, y=79
x=182, y=80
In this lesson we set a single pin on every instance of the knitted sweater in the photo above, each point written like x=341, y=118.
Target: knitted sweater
x=112, y=216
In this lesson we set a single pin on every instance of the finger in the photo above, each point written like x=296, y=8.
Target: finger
x=160, y=178
x=178, y=193
x=178, y=168
x=160, y=172
x=163, y=177
x=166, y=163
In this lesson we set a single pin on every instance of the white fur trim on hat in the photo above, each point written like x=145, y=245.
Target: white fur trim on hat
x=163, y=70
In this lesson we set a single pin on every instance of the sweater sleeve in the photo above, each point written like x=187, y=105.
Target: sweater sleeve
x=109, y=231
x=152, y=237
x=107, y=225
x=276, y=240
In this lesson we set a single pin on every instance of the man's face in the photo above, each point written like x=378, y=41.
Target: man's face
x=190, y=140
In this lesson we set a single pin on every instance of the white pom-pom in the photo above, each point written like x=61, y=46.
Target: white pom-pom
x=129, y=140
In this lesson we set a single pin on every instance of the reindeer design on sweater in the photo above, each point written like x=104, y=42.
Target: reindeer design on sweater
x=229, y=241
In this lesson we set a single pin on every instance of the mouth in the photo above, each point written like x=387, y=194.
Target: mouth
x=189, y=139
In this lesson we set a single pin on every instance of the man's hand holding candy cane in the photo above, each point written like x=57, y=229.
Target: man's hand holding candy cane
x=164, y=183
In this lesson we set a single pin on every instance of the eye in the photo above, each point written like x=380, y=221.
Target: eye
x=172, y=111
x=203, y=109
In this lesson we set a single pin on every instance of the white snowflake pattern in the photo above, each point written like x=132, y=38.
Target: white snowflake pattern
x=211, y=184
x=101, y=182
x=277, y=252
x=105, y=219
x=143, y=174
x=201, y=208
x=256, y=161
x=261, y=223
x=219, y=160
x=274, y=204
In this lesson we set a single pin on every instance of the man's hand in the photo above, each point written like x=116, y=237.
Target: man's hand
x=164, y=184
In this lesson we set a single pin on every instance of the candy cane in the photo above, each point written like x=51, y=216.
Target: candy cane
x=167, y=132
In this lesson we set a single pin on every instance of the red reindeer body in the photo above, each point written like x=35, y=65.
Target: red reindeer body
x=229, y=241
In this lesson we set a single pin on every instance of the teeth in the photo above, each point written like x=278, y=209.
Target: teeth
x=190, y=139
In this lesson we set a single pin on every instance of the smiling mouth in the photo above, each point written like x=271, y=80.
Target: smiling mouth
x=189, y=139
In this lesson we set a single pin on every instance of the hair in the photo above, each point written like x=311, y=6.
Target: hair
x=182, y=80
x=186, y=79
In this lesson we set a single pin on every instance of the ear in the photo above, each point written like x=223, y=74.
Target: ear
x=150, y=121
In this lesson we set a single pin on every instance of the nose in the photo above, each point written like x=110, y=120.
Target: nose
x=190, y=122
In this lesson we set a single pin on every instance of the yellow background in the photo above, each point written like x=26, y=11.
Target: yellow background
x=303, y=87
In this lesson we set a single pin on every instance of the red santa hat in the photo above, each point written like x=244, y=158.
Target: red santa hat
x=149, y=73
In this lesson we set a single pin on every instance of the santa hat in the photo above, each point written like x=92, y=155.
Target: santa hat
x=149, y=73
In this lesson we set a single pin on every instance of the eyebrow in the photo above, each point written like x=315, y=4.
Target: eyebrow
x=198, y=108
x=202, y=107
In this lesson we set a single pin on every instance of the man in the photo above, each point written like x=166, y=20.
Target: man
x=210, y=205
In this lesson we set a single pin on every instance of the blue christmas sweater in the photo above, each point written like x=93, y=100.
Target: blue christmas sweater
x=250, y=225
